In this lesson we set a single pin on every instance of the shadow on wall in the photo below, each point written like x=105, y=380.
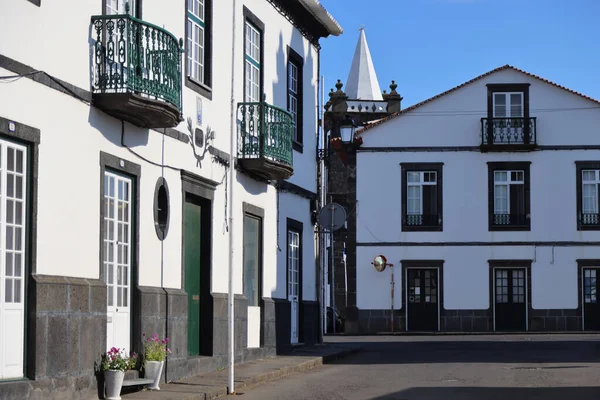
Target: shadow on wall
x=111, y=129
x=494, y=393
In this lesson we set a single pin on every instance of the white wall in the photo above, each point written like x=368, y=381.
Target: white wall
x=297, y=208
x=450, y=121
x=73, y=134
x=465, y=196
x=466, y=281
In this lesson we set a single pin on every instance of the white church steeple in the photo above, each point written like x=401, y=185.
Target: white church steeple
x=362, y=81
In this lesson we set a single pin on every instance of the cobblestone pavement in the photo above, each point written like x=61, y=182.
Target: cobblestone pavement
x=444, y=367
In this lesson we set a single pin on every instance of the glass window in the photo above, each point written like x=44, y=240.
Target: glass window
x=252, y=259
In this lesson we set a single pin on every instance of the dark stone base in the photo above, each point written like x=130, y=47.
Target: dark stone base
x=374, y=321
x=283, y=325
x=64, y=318
x=83, y=387
x=555, y=320
x=309, y=333
x=465, y=321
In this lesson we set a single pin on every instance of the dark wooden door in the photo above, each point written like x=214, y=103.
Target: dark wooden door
x=510, y=303
x=422, y=299
x=591, y=308
x=192, y=246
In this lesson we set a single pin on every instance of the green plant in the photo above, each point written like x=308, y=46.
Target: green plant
x=155, y=349
x=117, y=359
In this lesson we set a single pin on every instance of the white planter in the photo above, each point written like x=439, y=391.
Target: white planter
x=113, y=380
x=154, y=371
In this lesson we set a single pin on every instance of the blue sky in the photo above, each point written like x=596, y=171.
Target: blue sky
x=429, y=46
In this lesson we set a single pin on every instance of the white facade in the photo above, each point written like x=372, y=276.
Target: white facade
x=447, y=130
x=73, y=134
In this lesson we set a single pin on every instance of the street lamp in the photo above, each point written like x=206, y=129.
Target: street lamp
x=347, y=128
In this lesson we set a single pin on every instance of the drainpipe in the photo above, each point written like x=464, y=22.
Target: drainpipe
x=230, y=297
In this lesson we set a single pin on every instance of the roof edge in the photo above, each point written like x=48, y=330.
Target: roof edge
x=323, y=16
x=437, y=96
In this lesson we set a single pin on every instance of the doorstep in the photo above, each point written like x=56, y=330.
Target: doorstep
x=247, y=375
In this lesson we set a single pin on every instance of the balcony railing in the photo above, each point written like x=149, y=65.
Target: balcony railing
x=425, y=220
x=589, y=220
x=509, y=219
x=132, y=56
x=508, y=131
x=265, y=133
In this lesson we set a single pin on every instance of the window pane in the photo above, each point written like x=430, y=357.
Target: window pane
x=516, y=109
x=413, y=176
x=590, y=202
x=500, y=199
x=500, y=176
x=589, y=175
x=499, y=105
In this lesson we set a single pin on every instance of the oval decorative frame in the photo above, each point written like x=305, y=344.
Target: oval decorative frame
x=161, y=208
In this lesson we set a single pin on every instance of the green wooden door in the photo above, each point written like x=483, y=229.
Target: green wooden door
x=192, y=219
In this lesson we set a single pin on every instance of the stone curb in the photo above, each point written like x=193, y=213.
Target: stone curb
x=278, y=374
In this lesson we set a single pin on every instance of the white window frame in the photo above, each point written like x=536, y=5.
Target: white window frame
x=293, y=263
x=196, y=45
x=507, y=104
x=420, y=183
x=12, y=243
x=509, y=181
x=293, y=95
x=591, y=182
x=252, y=52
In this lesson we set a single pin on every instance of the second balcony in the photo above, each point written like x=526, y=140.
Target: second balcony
x=265, y=140
x=508, y=134
x=136, y=71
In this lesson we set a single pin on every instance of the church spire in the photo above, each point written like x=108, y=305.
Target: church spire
x=362, y=81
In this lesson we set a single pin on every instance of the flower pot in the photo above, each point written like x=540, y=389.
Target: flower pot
x=113, y=380
x=154, y=371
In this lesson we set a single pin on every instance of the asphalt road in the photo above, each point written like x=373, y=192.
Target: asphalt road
x=548, y=367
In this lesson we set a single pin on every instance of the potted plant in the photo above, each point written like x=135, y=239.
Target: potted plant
x=114, y=364
x=155, y=353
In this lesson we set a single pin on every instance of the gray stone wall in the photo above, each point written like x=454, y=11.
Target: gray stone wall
x=466, y=321
x=66, y=326
x=310, y=322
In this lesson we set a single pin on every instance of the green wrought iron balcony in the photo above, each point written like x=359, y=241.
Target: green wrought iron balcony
x=136, y=71
x=265, y=140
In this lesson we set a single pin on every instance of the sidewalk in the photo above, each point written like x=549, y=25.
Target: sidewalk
x=214, y=384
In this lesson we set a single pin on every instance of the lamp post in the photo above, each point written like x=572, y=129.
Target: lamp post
x=347, y=128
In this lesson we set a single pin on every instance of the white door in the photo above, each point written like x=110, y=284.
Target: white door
x=117, y=259
x=13, y=162
x=293, y=281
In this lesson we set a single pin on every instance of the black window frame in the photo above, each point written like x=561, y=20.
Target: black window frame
x=249, y=17
x=581, y=166
x=507, y=87
x=202, y=88
x=510, y=166
x=423, y=167
x=297, y=60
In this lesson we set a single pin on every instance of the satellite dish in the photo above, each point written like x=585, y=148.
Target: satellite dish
x=332, y=216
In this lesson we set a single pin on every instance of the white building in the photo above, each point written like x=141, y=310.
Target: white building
x=485, y=200
x=117, y=204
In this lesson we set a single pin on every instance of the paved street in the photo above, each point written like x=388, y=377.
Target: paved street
x=452, y=367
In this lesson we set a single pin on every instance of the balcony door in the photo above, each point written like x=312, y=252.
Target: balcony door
x=13, y=176
x=117, y=7
x=117, y=256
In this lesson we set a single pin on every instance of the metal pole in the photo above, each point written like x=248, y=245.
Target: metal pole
x=230, y=297
x=392, y=283
x=333, y=316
